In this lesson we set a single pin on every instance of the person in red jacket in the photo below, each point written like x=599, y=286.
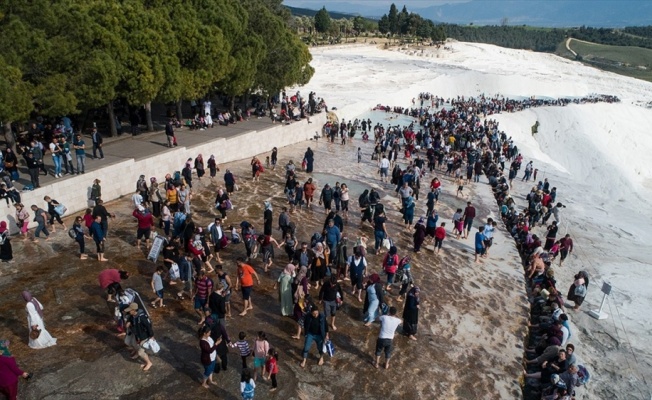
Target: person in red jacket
x=9, y=372
x=440, y=235
x=145, y=223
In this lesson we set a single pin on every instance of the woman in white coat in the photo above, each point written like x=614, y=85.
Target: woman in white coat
x=35, y=321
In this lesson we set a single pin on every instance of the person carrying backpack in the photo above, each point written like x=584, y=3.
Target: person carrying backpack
x=247, y=385
x=390, y=265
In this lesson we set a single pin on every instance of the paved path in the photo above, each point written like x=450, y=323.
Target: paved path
x=146, y=145
x=568, y=46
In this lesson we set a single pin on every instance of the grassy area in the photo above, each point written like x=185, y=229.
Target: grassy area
x=635, y=62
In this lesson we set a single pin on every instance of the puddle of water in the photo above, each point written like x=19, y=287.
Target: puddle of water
x=385, y=119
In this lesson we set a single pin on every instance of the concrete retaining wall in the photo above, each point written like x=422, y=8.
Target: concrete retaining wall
x=119, y=179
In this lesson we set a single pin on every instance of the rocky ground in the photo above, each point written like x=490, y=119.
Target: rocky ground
x=471, y=328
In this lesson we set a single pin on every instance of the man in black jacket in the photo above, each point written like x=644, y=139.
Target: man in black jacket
x=316, y=330
x=217, y=304
x=139, y=330
x=96, y=137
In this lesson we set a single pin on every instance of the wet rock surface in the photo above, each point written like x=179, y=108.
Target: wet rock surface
x=471, y=327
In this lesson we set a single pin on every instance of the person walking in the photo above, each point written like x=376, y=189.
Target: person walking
x=245, y=281
x=22, y=219
x=78, y=230
x=55, y=210
x=139, y=328
x=40, y=217
x=316, y=330
x=411, y=313
x=247, y=385
x=329, y=294
x=271, y=367
x=39, y=337
x=285, y=294
x=9, y=372
x=97, y=140
x=97, y=233
x=388, y=325
x=208, y=354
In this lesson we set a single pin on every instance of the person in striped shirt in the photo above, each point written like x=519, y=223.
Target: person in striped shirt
x=203, y=287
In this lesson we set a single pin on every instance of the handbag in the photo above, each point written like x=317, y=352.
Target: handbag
x=34, y=333
x=229, y=205
x=174, y=272
x=60, y=209
x=152, y=345
x=387, y=243
x=328, y=348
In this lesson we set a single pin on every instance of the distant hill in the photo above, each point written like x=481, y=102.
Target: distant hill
x=311, y=13
x=542, y=13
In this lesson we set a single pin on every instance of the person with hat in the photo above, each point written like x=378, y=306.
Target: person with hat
x=139, y=330
x=9, y=372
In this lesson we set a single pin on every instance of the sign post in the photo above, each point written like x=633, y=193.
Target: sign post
x=598, y=314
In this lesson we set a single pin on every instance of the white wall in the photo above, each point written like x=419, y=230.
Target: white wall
x=119, y=179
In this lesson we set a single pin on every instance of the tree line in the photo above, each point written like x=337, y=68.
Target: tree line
x=58, y=58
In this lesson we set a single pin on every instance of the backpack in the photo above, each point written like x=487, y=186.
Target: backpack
x=248, y=392
x=72, y=232
x=390, y=263
x=580, y=291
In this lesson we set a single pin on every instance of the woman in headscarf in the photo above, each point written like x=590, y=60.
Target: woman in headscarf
x=319, y=263
x=212, y=166
x=155, y=197
x=9, y=372
x=229, y=181
x=35, y=323
x=199, y=166
x=309, y=156
x=222, y=202
x=408, y=215
x=411, y=313
x=300, y=287
x=284, y=285
x=6, y=253
x=419, y=234
x=268, y=218
x=374, y=299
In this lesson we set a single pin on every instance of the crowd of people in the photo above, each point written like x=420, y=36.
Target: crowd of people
x=328, y=272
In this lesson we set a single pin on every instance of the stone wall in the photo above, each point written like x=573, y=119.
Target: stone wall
x=119, y=179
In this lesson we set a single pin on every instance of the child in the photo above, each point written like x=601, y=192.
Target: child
x=245, y=350
x=157, y=287
x=267, y=161
x=440, y=235
x=235, y=236
x=261, y=348
x=88, y=219
x=460, y=187
x=271, y=366
x=359, y=155
x=458, y=223
x=247, y=385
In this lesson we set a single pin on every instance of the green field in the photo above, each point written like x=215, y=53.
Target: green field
x=626, y=60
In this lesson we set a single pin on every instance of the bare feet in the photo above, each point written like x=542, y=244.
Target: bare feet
x=412, y=337
x=321, y=361
x=303, y=363
x=204, y=385
x=333, y=327
x=242, y=314
x=147, y=366
x=296, y=337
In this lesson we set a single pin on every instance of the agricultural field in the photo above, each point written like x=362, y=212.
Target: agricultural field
x=625, y=60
